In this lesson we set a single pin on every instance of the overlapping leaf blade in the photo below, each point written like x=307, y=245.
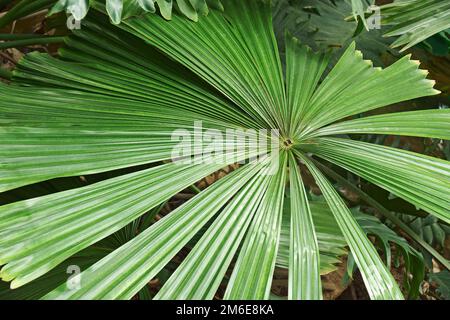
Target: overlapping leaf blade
x=201, y=273
x=253, y=271
x=304, y=263
x=243, y=63
x=64, y=273
x=379, y=281
x=424, y=123
x=415, y=20
x=412, y=21
x=304, y=69
x=353, y=86
x=123, y=273
x=422, y=180
x=106, y=105
x=38, y=234
x=332, y=244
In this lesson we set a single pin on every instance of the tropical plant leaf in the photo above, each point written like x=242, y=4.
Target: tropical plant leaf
x=201, y=273
x=65, y=273
x=419, y=179
x=304, y=69
x=48, y=282
x=322, y=25
x=67, y=222
x=332, y=245
x=150, y=251
x=442, y=279
x=425, y=123
x=252, y=275
x=341, y=95
x=413, y=260
x=244, y=66
x=304, y=263
x=379, y=281
x=391, y=216
x=112, y=99
x=413, y=21
x=101, y=110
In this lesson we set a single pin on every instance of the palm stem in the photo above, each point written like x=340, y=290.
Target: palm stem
x=31, y=41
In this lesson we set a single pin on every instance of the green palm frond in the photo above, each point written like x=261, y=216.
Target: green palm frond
x=413, y=260
x=40, y=287
x=413, y=123
x=304, y=262
x=412, y=21
x=80, y=261
x=322, y=25
x=214, y=252
x=379, y=281
x=331, y=242
x=359, y=8
x=112, y=100
x=421, y=180
x=442, y=279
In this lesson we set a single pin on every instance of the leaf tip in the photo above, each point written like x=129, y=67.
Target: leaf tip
x=4, y=276
x=435, y=92
x=424, y=72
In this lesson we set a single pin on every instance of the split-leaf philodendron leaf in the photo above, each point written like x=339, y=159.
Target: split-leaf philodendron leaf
x=119, y=10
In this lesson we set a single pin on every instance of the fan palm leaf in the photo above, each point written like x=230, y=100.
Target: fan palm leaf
x=113, y=99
